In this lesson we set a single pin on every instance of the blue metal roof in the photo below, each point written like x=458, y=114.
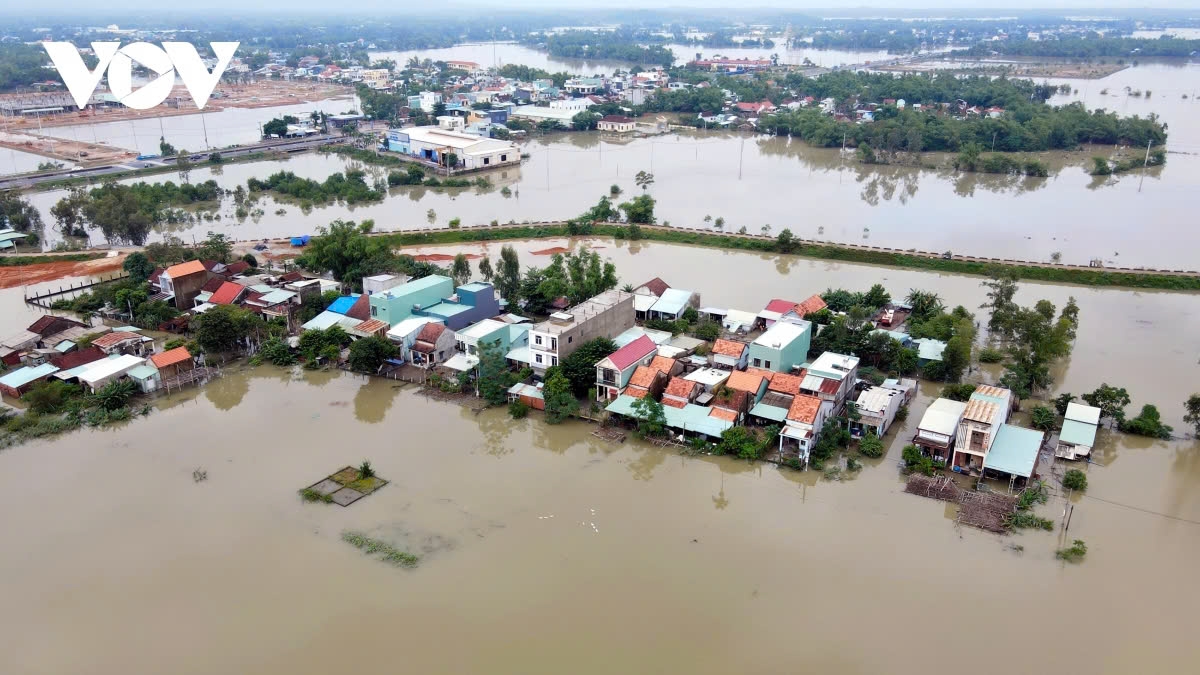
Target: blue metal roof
x=1014, y=451
x=1078, y=433
x=343, y=304
x=23, y=376
x=769, y=412
x=688, y=418
x=446, y=309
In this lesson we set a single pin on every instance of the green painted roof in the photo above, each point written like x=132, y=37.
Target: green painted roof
x=23, y=376
x=143, y=372
x=769, y=412
x=1014, y=451
x=689, y=418
x=1078, y=433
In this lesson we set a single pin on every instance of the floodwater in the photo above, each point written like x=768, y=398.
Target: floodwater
x=15, y=161
x=196, y=133
x=546, y=550
x=497, y=54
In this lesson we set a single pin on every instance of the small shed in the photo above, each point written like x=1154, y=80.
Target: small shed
x=21, y=380
x=1078, y=435
x=172, y=362
x=147, y=378
x=527, y=394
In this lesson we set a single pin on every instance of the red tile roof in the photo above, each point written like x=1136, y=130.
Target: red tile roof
x=227, y=294
x=830, y=386
x=644, y=376
x=633, y=352
x=804, y=409
x=785, y=384
x=212, y=285
x=77, y=358
x=171, y=357
x=656, y=286
x=430, y=332
x=680, y=387
x=767, y=375
x=184, y=269
x=237, y=267
x=291, y=276
x=744, y=381
x=636, y=392
x=115, y=338
x=663, y=365
x=723, y=414
x=780, y=306
x=729, y=348
x=813, y=304
x=372, y=326
x=51, y=323
x=361, y=309
x=674, y=403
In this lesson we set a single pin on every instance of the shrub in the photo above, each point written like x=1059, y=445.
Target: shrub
x=871, y=446
x=1042, y=417
x=853, y=464
x=310, y=495
x=455, y=223
x=365, y=470
x=518, y=410
x=916, y=462
x=990, y=355
x=1074, y=554
x=1075, y=479
x=277, y=352
x=1024, y=519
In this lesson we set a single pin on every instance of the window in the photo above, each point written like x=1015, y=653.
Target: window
x=537, y=339
x=569, y=339
x=554, y=344
x=441, y=356
x=487, y=160
x=503, y=158
x=554, y=360
x=471, y=350
x=977, y=440
x=767, y=365
x=537, y=357
x=757, y=363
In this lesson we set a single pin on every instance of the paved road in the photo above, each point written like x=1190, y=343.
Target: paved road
x=287, y=145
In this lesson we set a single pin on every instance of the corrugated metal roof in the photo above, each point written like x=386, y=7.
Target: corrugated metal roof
x=632, y=353
x=942, y=416
x=342, y=304
x=23, y=376
x=672, y=301
x=329, y=318
x=116, y=338
x=1083, y=413
x=692, y=418
x=98, y=370
x=1078, y=433
x=979, y=410
x=769, y=412
x=143, y=372
x=1015, y=450
x=875, y=399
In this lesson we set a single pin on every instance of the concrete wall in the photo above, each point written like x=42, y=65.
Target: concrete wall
x=396, y=305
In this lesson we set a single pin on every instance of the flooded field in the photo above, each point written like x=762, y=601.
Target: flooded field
x=546, y=550
x=497, y=54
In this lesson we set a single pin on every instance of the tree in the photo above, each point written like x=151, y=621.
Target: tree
x=877, y=297
x=460, y=271
x=117, y=211
x=1042, y=417
x=1002, y=286
x=452, y=160
x=740, y=442
x=368, y=354
x=640, y=209
x=217, y=247
x=485, y=268
x=560, y=402
x=785, y=242
x=580, y=367
x=250, y=260
x=871, y=446
x=68, y=213
x=1192, y=416
x=584, y=120
x=50, y=396
x=165, y=149
x=925, y=305
x=494, y=376
x=508, y=275
x=643, y=179
x=1062, y=401
x=1147, y=423
x=1074, y=479
x=347, y=253
x=224, y=328
x=138, y=266
x=1110, y=400
x=650, y=416
x=183, y=164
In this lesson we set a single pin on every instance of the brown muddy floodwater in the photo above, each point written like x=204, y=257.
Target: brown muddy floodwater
x=547, y=550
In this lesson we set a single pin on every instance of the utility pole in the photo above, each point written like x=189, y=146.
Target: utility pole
x=994, y=141
x=741, y=154
x=205, y=127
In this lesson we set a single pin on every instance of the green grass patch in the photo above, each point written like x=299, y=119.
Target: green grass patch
x=311, y=495
x=386, y=551
x=1024, y=519
x=18, y=260
x=1074, y=553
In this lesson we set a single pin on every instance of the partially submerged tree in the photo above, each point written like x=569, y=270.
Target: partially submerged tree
x=560, y=402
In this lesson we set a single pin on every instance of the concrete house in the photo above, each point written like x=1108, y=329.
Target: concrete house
x=470, y=304
x=404, y=334
x=382, y=282
x=180, y=284
x=830, y=378
x=938, y=428
x=672, y=304
x=754, y=384
x=1078, y=434
x=614, y=371
x=433, y=345
x=399, y=303
x=729, y=355
x=99, y=374
x=680, y=391
x=987, y=410
x=617, y=124
x=803, y=423
x=782, y=347
x=877, y=408
x=122, y=342
x=435, y=144
x=605, y=315
x=1014, y=454
x=489, y=331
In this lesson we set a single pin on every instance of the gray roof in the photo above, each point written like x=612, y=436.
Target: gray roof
x=1083, y=413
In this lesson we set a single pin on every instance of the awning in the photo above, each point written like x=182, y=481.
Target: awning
x=462, y=362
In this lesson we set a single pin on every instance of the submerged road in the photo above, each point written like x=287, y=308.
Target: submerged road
x=283, y=145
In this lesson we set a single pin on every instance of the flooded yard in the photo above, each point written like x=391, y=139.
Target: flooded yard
x=546, y=550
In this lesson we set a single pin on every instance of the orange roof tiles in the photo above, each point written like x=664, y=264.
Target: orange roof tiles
x=663, y=365
x=765, y=374
x=723, y=414
x=804, y=409
x=114, y=338
x=643, y=376
x=813, y=304
x=636, y=392
x=170, y=357
x=674, y=402
x=744, y=381
x=785, y=384
x=680, y=387
x=227, y=294
x=728, y=348
x=184, y=269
